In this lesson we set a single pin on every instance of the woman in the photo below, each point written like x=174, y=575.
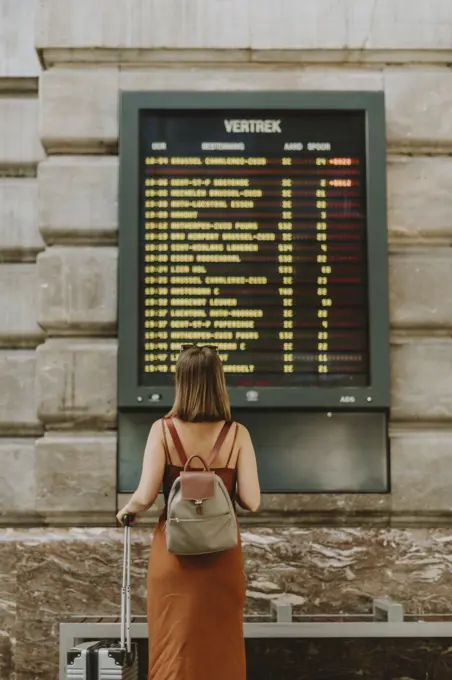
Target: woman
x=195, y=604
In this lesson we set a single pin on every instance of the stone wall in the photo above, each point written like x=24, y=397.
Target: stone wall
x=58, y=204
x=20, y=243
x=238, y=45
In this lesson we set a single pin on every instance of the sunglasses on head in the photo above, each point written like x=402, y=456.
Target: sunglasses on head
x=214, y=348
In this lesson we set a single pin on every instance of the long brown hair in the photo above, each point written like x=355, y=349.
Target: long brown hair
x=201, y=393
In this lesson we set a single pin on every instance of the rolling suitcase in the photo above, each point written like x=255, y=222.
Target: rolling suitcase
x=107, y=659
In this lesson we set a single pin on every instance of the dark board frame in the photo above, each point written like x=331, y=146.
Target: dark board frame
x=376, y=396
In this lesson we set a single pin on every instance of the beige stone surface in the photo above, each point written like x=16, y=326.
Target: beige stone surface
x=254, y=78
x=421, y=473
x=19, y=140
x=19, y=236
x=419, y=197
x=76, y=383
x=417, y=104
x=420, y=281
x=354, y=24
x=76, y=473
x=78, y=199
x=18, y=306
x=18, y=58
x=245, y=24
x=421, y=380
x=17, y=480
x=18, y=416
x=78, y=290
x=79, y=108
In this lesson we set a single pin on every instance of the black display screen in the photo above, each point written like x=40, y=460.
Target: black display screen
x=253, y=239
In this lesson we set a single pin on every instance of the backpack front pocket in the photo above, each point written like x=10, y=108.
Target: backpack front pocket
x=201, y=536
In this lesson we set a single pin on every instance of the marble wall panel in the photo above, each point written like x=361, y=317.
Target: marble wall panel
x=8, y=602
x=59, y=573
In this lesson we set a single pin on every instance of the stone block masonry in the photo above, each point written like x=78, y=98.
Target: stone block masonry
x=20, y=148
x=18, y=414
x=77, y=205
x=18, y=486
x=20, y=242
x=77, y=473
x=58, y=203
x=18, y=304
x=78, y=200
x=76, y=383
x=419, y=199
x=77, y=290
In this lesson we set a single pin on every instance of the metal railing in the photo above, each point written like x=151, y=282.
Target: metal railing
x=387, y=620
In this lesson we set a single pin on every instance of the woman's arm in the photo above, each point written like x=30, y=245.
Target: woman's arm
x=248, y=488
x=151, y=475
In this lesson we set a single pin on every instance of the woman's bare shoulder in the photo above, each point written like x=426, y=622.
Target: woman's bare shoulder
x=243, y=434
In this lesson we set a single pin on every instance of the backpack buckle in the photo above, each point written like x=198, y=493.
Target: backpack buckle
x=199, y=508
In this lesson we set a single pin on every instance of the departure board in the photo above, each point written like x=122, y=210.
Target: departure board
x=254, y=240
x=253, y=231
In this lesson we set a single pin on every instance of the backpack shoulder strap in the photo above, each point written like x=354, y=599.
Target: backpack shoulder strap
x=165, y=443
x=218, y=444
x=233, y=445
x=177, y=442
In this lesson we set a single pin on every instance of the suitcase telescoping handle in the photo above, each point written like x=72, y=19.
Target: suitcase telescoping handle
x=126, y=642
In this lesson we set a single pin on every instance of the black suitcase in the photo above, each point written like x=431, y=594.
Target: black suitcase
x=107, y=659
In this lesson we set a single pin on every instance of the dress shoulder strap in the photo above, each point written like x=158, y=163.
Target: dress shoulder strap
x=176, y=440
x=219, y=443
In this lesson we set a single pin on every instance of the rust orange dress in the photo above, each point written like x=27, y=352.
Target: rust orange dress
x=195, y=604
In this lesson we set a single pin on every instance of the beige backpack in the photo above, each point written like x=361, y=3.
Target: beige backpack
x=200, y=513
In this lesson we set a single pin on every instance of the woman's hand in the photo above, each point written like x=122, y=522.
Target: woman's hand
x=122, y=513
